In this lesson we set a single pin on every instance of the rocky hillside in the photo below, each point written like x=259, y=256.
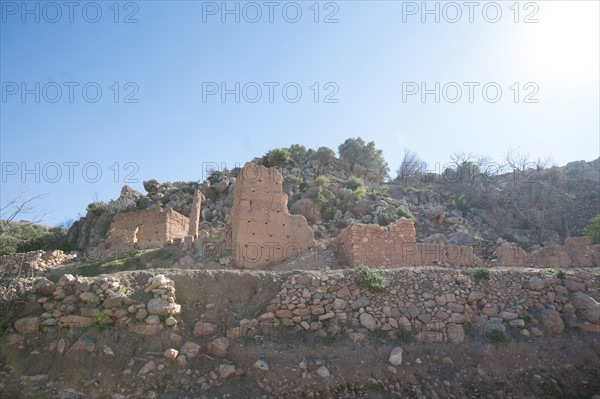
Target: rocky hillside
x=464, y=205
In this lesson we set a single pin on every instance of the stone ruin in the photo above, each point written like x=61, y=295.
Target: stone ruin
x=261, y=230
x=149, y=229
x=395, y=246
x=577, y=251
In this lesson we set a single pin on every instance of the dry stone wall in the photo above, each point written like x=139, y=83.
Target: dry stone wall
x=438, y=304
x=263, y=232
x=395, y=246
x=78, y=302
x=33, y=260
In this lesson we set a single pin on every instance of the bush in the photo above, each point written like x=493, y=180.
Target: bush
x=592, y=230
x=293, y=179
x=403, y=335
x=482, y=274
x=322, y=181
x=370, y=279
x=326, y=208
x=353, y=183
x=382, y=191
x=387, y=217
x=402, y=212
x=561, y=274
x=461, y=202
x=277, y=157
x=97, y=207
x=298, y=153
x=497, y=337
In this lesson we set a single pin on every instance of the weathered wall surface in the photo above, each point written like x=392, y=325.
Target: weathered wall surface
x=152, y=228
x=395, y=246
x=577, y=251
x=262, y=230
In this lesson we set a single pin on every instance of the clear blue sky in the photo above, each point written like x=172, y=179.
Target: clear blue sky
x=372, y=56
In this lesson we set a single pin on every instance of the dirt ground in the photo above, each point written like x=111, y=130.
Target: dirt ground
x=562, y=367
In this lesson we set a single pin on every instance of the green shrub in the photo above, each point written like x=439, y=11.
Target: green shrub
x=387, y=218
x=561, y=274
x=277, y=157
x=294, y=179
x=322, y=181
x=403, y=335
x=96, y=207
x=298, y=153
x=461, y=202
x=547, y=272
x=482, y=274
x=497, y=337
x=370, y=279
x=382, y=191
x=353, y=183
x=326, y=208
x=592, y=230
x=381, y=334
x=403, y=212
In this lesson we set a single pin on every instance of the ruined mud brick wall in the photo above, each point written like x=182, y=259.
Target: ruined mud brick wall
x=262, y=230
x=152, y=228
x=395, y=246
x=577, y=251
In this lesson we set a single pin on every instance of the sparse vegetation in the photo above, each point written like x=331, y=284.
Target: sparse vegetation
x=461, y=202
x=96, y=207
x=480, y=274
x=353, y=183
x=497, y=337
x=592, y=230
x=322, y=181
x=370, y=279
x=403, y=212
x=326, y=208
x=561, y=274
x=403, y=335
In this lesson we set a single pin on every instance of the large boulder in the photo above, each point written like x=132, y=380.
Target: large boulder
x=551, y=321
x=161, y=307
x=151, y=186
x=587, y=306
x=307, y=208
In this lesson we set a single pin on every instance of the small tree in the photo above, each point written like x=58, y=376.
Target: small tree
x=356, y=152
x=592, y=230
x=277, y=157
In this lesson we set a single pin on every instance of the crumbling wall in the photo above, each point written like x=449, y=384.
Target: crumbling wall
x=151, y=228
x=395, y=246
x=577, y=251
x=33, y=260
x=262, y=230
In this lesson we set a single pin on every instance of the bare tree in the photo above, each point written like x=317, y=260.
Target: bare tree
x=411, y=165
x=19, y=206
